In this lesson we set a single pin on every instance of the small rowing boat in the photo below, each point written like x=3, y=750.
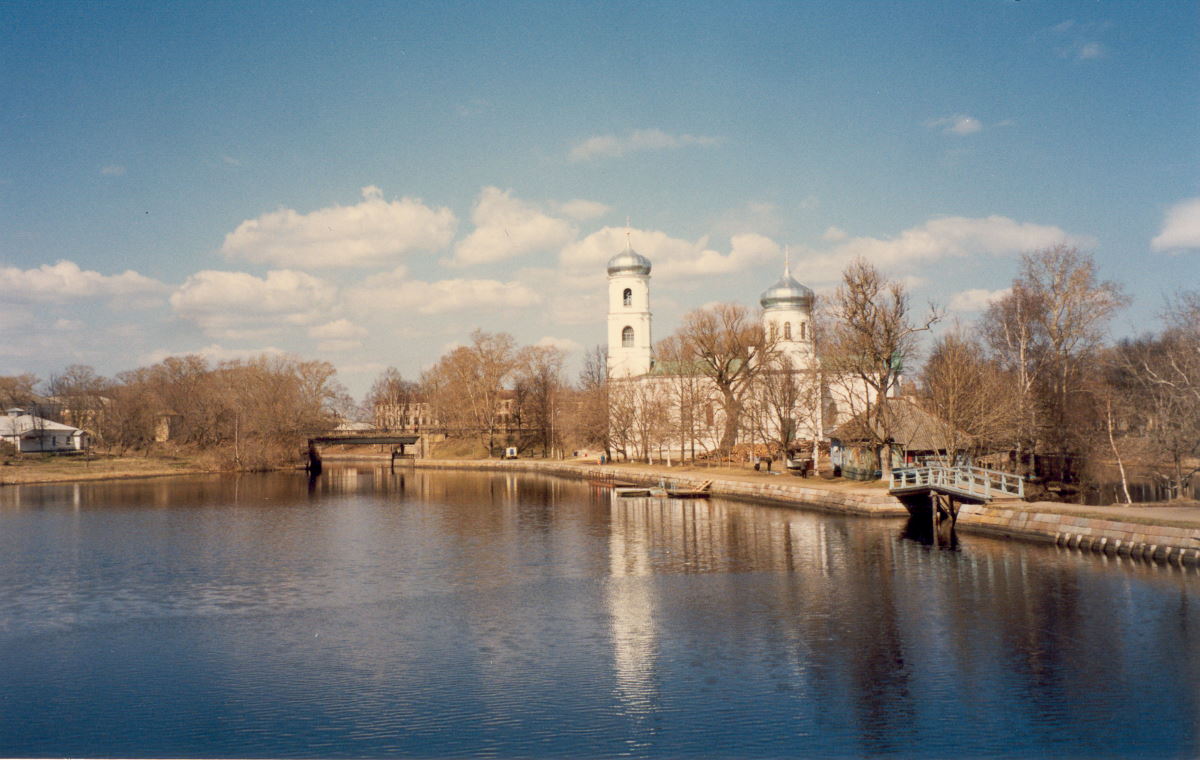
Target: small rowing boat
x=627, y=491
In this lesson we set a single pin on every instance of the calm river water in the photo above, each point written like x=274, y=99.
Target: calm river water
x=428, y=614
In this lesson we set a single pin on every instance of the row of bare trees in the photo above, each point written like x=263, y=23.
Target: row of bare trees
x=1034, y=385
x=1038, y=380
x=490, y=390
x=720, y=380
x=249, y=414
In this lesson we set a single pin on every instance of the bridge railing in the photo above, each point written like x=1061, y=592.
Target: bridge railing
x=974, y=481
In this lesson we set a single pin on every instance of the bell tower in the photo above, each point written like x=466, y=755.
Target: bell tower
x=628, y=313
x=787, y=316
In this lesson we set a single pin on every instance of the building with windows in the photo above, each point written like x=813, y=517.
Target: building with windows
x=31, y=434
x=674, y=410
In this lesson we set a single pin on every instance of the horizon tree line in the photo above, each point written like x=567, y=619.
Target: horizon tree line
x=1033, y=385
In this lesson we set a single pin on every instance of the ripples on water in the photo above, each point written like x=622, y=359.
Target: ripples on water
x=451, y=614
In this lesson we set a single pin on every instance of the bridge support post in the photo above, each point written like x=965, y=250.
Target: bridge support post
x=943, y=514
x=935, y=499
x=314, y=459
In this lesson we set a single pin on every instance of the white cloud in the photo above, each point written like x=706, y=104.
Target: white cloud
x=12, y=318
x=834, y=234
x=745, y=251
x=372, y=232
x=68, y=325
x=239, y=305
x=959, y=124
x=582, y=210
x=338, y=346
x=339, y=329
x=506, y=227
x=363, y=368
x=946, y=237
x=613, y=146
x=754, y=216
x=1074, y=40
x=672, y=258
x=1181, y=227
x=214, y=352
x=112, y=170
x=566, y=344
x=64, y=281
x=976, y=299
x=392, y=291
x=573, y=295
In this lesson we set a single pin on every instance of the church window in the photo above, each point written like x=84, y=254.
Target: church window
x=787, y=330
x=774, y=330
x=627, y=337
x=708, y=415
x=803, y=325
x=627, y=297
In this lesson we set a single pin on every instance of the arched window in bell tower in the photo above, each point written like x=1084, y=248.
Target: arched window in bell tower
x=627, y=297
x=803, y=325
x=787, y=330
x=627, y=337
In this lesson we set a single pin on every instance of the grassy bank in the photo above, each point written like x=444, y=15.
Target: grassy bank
x=48, y=468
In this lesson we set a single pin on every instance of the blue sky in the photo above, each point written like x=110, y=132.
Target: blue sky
x=367, y=183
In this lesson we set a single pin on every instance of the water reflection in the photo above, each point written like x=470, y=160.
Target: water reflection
x=374, y=612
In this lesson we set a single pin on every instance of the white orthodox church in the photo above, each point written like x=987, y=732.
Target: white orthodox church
x=787, y=316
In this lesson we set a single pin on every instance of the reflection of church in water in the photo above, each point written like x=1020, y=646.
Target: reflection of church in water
x=821, y=404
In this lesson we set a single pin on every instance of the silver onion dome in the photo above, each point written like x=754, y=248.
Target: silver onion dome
x=786, y=292
x=629, y=261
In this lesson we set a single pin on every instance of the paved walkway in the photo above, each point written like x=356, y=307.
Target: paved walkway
x=745, y=475
x=1184, y=515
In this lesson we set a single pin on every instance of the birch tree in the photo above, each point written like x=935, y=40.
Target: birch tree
x=871, y=338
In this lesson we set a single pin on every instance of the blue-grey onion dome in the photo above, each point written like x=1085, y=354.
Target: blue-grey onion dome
x=787, y=292
x=629, y=261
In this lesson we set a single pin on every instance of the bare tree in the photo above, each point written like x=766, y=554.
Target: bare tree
x=871, y=337
x=394, y=402
x=731, y=349
x=790, y=402
x=590, y=410
x=972, y=397
x=652, y=420
x=18, y=391
x=466, y=384
x=131, y=419
x=539, y=384
x=622, y=397
x=1160, y=376
x=684, y=381
x=1009, y=326
x=80, y=395
x=1070, y=324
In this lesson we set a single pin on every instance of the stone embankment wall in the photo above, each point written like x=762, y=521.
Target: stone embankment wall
x=1152, y=543
x=784, y=490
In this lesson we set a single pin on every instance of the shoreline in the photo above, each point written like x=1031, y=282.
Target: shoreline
x=90, y=471
x=1160, y=533
x=778, y=489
